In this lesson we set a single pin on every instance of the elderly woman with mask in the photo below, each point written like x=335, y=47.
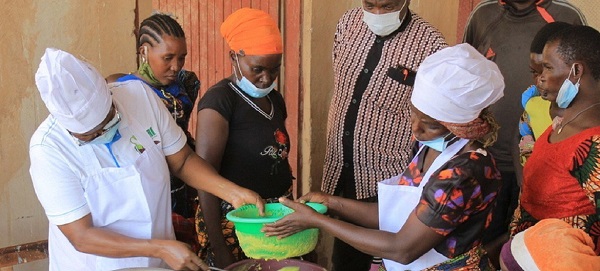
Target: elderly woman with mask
x=560, y=178
x=432, y=216
x=241, y=129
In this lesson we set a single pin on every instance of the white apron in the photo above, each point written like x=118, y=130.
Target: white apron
x=132, y=200
x=397, y=202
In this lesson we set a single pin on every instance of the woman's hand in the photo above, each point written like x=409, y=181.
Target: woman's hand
x=317, y=197
x=302, y=218
x=178, y=255
x=241, y=196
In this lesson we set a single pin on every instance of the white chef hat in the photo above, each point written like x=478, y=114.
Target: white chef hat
x=73, y=91
x=454, y=84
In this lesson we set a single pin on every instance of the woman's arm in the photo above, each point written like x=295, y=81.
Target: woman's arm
x=196, y=172
x=405, y=246
x=212, y=131
x=88, y=239
x=357, y=212
x=467, y=186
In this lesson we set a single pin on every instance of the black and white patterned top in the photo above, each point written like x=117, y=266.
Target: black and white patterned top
x=369, y=136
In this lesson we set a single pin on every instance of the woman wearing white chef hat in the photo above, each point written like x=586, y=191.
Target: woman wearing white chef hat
x=432, y=216
x=100, y=167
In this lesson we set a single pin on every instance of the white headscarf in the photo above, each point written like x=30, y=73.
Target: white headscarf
x=73, y=91
x=454, y=84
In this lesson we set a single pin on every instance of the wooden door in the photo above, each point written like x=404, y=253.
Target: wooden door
x=208, y=53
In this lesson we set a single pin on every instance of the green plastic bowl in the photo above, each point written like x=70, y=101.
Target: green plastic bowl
x=257, y=245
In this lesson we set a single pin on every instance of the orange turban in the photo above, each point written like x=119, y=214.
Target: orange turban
x=252, y=32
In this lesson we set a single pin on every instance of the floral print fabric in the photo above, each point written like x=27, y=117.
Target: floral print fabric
x=561, y=181
x=457, y=201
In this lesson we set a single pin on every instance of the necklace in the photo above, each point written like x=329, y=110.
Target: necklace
x=252, y=104
x=170, y=96
x=574, y=117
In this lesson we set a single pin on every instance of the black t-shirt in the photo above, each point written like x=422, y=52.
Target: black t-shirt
x=256, y=153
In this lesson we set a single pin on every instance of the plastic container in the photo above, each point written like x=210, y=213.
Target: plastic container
x=257, y=245
x=274, y=265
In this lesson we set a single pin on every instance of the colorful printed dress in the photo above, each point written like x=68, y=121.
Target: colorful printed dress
x=457, y=203
x=561, y=180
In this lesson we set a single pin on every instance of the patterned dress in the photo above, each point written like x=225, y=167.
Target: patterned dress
x=457, y=203
x=561, y=180
x=368, y=129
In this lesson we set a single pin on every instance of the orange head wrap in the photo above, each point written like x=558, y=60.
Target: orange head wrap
x=252, y=32
x=551, y=244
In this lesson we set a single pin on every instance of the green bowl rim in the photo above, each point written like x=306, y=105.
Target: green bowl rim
x=320, y=208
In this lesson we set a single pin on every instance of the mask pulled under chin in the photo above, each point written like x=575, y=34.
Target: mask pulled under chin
x=246, y=86
x=438, y=144
x=146, y=71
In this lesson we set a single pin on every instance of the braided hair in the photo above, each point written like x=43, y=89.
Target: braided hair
x=156, y=26
x=490, y=137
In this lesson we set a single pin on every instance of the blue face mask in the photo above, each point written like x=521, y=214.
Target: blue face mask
x=107, y=135
x=567, y=91
x=246, y=86
x=438, y=144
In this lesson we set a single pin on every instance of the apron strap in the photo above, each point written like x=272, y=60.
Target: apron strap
x=444, y=157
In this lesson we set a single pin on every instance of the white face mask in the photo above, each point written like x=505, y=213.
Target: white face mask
x=249, y=88
x=567, y=91
x=383, y=24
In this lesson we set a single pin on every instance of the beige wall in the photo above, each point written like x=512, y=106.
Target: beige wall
x=318, y=19
x=590, y=10
x=101, y=32
x=442, y=14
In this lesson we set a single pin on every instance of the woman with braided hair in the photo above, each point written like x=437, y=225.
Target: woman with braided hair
x=162, y=50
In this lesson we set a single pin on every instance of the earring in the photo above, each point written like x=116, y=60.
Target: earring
x=144, y=60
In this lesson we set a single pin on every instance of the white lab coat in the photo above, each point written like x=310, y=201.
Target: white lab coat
x=126, y=190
